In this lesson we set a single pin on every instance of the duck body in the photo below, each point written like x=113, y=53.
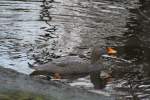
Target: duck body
x=70, y=66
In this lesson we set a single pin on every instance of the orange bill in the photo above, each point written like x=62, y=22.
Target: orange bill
x=111, y=50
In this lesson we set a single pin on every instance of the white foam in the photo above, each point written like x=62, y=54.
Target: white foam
x=100, y=92
x=81, y=84
x=115, y=7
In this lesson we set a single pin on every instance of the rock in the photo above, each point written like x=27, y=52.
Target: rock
x=17, y=83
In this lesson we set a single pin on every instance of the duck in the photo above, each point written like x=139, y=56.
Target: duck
x=75, y=68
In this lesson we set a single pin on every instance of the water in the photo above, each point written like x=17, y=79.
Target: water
x=19, y=27
x=25, y=31
x=137, y=46
x=43, y=28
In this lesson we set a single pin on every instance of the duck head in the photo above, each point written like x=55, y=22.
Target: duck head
x=111, y=51
x=98, y=52
x=98, y=82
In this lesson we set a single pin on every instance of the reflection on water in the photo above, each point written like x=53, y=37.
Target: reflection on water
x=26, y=30
x=138, y=38
x=46, y=29
x=18, y=26
x=136, y=47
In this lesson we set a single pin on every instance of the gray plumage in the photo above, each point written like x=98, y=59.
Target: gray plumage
x=71, y=66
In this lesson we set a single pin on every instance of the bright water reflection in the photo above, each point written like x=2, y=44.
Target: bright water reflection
x=30, y=27
x=19, y=27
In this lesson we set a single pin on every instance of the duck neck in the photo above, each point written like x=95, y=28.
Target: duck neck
x=95, y=55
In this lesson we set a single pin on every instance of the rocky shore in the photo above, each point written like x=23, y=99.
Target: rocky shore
x=38, y=89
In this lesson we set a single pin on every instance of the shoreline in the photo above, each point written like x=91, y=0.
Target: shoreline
x=10, y=80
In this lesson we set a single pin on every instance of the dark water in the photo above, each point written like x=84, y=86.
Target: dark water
x=137, y=45
x=137, y=48
x=36, y=30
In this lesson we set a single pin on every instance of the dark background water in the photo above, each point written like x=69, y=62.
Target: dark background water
x=137, y=38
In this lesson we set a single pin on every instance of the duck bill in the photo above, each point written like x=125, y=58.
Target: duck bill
x=111, y=51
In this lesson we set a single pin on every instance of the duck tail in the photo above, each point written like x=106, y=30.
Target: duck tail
x=36, y=73
x=40, y=72
x=30, y=65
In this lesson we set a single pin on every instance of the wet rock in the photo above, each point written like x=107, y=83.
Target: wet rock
x=16, y=82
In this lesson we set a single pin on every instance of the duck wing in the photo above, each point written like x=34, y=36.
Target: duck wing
x=73, y=67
